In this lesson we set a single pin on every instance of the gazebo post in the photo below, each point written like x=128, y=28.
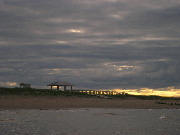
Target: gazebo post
x=57, y=87
x=64, y=87
x=51, y=87
x=71, y=87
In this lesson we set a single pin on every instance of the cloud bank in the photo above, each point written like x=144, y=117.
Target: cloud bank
x=93, y=44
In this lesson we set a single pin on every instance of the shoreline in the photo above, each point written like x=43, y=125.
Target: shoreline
x=62, y=102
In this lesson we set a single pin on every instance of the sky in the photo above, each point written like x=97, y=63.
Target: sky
x=94, y=44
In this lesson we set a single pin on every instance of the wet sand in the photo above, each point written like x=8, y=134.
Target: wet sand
x=90, y=121
x=51, y=102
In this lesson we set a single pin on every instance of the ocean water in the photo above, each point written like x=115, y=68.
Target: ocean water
x=90, y=122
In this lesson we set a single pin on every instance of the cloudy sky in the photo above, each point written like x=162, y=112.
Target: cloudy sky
x=90, y=43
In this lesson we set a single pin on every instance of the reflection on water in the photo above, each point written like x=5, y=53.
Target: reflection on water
x=90, y=122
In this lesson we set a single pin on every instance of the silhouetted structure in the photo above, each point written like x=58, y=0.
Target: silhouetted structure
x=25, y=85
x=98, y=92
x=59, y=84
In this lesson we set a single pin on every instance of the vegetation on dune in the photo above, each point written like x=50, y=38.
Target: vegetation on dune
x=38, y=92
x=47, y=92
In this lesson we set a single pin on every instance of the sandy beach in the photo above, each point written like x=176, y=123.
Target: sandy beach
x=90, y=121
x=51, y=102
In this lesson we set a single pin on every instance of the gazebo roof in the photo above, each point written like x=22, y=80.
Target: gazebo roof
x=60, y=84
x=24, y=84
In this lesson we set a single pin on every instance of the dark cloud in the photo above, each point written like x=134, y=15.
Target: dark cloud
x=93, y=44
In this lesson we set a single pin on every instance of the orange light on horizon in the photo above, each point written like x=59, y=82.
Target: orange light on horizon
x=166, y=92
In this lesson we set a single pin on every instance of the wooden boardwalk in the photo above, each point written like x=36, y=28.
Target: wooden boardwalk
x=98, y=92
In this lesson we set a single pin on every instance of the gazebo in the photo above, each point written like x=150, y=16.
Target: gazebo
x=60, y=84
x=24, y=85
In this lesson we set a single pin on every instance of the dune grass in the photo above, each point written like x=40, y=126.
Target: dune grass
x=38, y=92
x=47, y=92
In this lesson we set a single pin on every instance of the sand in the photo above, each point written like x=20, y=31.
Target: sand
x=53, y=102
x=90, y=121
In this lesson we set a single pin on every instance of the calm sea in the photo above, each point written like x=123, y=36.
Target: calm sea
x=90, y=122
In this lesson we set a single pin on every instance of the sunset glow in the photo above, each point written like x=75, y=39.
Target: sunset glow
x=166, y=92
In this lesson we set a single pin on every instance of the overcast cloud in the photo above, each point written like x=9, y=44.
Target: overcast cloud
x=92, y=44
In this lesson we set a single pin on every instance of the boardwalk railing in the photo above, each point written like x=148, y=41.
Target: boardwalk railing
x=97, y=92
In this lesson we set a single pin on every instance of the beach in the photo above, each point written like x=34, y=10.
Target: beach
x=90, y=121
x=60, y=102
x=61, y=115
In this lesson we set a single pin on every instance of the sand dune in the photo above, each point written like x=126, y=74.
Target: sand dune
x=51, y=102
